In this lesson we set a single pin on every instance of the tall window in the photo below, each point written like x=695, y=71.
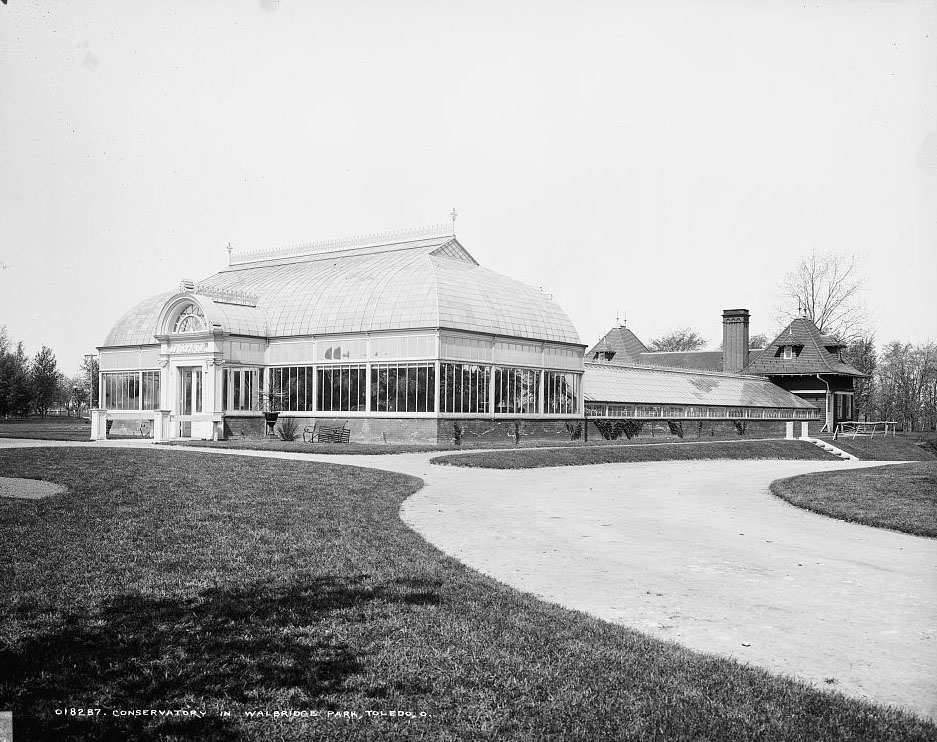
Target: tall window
x=463, y=388
x=150, y=390
x=560, y=393
x=516, y=390
x=788, y=352
x=122, y=390
x=341, y=388
x=291, y=388
x=190, y=319
x=403, y=387
x=239, y=389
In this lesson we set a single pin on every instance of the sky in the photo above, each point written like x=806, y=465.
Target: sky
x=659, y=161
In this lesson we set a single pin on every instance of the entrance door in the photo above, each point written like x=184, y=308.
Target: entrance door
x=190, y=397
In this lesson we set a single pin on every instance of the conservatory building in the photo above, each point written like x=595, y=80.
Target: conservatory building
x=398, y=337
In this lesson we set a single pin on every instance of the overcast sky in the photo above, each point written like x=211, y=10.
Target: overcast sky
x=662, y=159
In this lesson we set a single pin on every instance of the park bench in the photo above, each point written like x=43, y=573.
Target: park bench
x=326, y=434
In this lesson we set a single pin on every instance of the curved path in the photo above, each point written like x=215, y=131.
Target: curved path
x=698, y=552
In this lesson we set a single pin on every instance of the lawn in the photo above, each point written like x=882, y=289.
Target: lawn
x=901, y=497
x=883, y=448
x=46, y=428
x=175, y=580
x=271, y=443
x=536, y=458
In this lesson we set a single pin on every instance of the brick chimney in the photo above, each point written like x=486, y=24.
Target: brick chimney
x=734, y=340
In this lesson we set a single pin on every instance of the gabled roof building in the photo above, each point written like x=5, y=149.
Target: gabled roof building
x=808, y=363
x=800, y=363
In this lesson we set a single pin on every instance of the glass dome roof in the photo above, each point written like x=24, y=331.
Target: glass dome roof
x=425, y=283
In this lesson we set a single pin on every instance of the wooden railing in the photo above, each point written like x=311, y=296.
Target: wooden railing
x=853, y=429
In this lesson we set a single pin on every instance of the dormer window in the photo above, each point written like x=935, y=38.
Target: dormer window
x=190, y=319
x=788, y=353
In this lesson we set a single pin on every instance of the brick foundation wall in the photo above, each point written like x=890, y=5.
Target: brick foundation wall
x=129, y=427
x=243, y=427
x=376, y=429
x=497, y=433
x=657, y=431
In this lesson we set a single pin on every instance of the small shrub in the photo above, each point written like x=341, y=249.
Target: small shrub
x=631, y=428
x=287, y=429
x=574, y=430
x=740, y=426
x=458, y=432
x=516, y=434
x=675, y=427
x=612, y=430
x=107, y=426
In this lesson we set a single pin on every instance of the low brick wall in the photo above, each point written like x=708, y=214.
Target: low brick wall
x=129, y=427
x=376, y=429
x=657, y=431
x=488, y=433
x=243, y=427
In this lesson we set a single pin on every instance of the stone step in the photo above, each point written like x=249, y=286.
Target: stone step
x=830, y=448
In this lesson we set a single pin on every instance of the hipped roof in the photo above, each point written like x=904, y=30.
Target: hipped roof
x=817, y=353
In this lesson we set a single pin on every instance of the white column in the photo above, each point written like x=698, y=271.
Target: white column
x=367, y=386
x=491, y=391
x=543, y=377
x=315, y=388
x=165, y=384
x=437, y=388
x=98, y=429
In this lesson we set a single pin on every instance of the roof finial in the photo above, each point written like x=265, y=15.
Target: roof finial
x=230, y=250
x=453, y=216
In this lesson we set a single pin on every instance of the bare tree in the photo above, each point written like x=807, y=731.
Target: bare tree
x=683, y=339
x=826, y=287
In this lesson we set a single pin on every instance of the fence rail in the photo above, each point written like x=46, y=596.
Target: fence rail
x=853, y=429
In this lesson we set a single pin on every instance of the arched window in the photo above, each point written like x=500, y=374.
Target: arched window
x=190, y=319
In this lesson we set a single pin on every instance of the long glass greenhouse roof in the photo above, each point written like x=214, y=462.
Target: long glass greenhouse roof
x=634, y=384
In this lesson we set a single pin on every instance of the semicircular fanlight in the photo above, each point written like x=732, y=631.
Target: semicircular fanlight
x=190, y=319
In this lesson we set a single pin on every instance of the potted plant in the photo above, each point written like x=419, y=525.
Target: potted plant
x=272, y=403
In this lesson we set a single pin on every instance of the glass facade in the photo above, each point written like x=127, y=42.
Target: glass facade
x=341, y=389
x=403, y=388
x=516, y=391
x=240, y=389
x=641, y=412
x=560, y=393
x=150, y=390
x=464, y=388
x=291, y=388
x=131, y=390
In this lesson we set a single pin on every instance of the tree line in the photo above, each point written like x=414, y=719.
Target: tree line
x=902, y=383
x=827, y=288
x=35, y=385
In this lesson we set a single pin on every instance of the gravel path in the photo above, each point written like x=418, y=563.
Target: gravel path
x=28, y=489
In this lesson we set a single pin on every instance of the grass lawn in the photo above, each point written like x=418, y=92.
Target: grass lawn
x=883, y=448
x=49, y=428
x=901, y=497
x=533, y=458
x=272, y=443
x=171, y=580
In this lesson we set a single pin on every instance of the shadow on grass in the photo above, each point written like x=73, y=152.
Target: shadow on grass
x=224, y=649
